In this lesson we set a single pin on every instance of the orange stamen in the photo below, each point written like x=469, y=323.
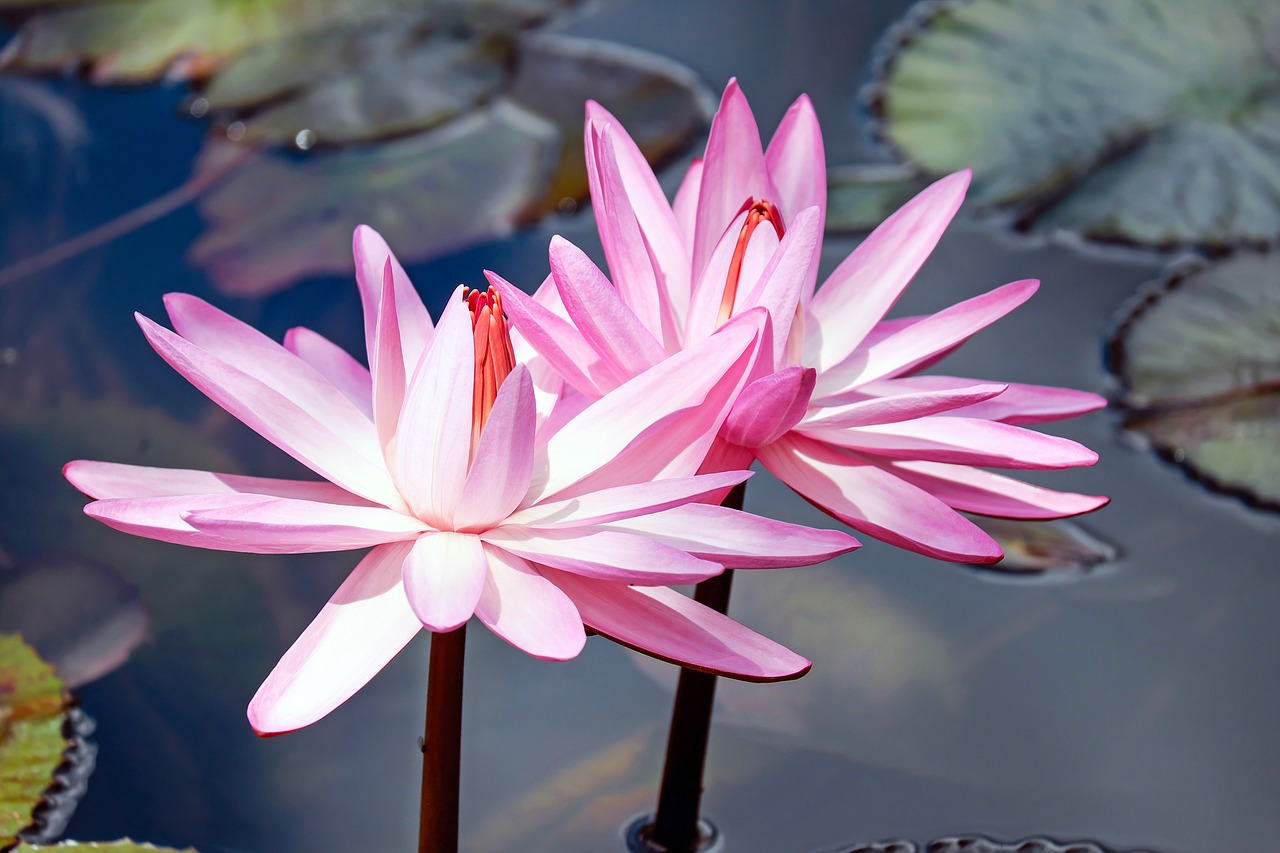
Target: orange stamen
x=757, y=212
x=494, y=358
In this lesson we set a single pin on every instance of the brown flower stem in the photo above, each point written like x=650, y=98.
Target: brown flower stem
x=675, y=828
x=442, y=746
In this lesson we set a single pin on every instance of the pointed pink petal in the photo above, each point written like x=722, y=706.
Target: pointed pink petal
x=245, y=349
x=620, y=234
x=733, y=173
x=285, y=526
x=685, y=205
x=333, y=447
x=1019, y=404
x=365, y=624
x=117, y=480
x=625, y=501
x=867, y=284
x=503, y=464
x=739, y=540
x=527, y=610
x=607, y=325
x=669, y=626
x=603, y=554
x=798, y=171
x=443, y=578
x=987, y=493
x=796, y=160
x=335, y=364
x=656, y=426
x=431, y=462
x=784, y=279
x=161, y=518
x=874, y=501
x=904, y=405
x=554, y=338
x=372, y=256
x=769, y=407
x=387, y=364
x=908, y=348
x=963, y=441
x=649, y=203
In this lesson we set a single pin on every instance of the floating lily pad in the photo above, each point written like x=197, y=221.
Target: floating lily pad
x=477, y=177
x=356, y=84
x=33, y=712
x=1038, y=547
x=277, y=220
x=137, y=41
x=122, y=846
x=861, y=196
x=978, y=844
x=1199, y=361
x=1150, y=123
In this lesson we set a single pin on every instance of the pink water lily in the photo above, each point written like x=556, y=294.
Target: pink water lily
x=835, y=406
x=432, y=460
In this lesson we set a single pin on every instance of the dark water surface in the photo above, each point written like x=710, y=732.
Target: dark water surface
x=1133, y=705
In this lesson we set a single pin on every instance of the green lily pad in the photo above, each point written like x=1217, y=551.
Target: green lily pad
x=1151, y=123
x=355, y=84
x=1199, y=361
x=33, y=710
x=137, y=41
x=122, y=846
x=861, y=196
x=475, y=178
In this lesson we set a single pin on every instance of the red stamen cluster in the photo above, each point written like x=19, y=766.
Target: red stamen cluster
x=757, y=212
x=494, y=358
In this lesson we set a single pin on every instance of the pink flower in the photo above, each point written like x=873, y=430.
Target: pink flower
x=834, y=407
x=432, y=459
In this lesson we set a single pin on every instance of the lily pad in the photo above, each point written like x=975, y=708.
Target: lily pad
x=122, y=846
x=276, y=220
x=1199, y=361
x=1039, y=547
x=978, y=844
x=33, y=712
x=119, y=41
x=475, y=178
x=354, y=84
x=138, y=41
x=861, y=196
x=1148, y=123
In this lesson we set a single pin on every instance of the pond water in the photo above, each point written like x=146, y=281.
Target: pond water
x=1132, y=704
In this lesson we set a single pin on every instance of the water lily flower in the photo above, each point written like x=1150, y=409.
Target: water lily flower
x=836, y=406
x=431, y=460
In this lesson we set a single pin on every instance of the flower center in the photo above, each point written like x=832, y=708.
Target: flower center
x=494, y=358
x=757, y=212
